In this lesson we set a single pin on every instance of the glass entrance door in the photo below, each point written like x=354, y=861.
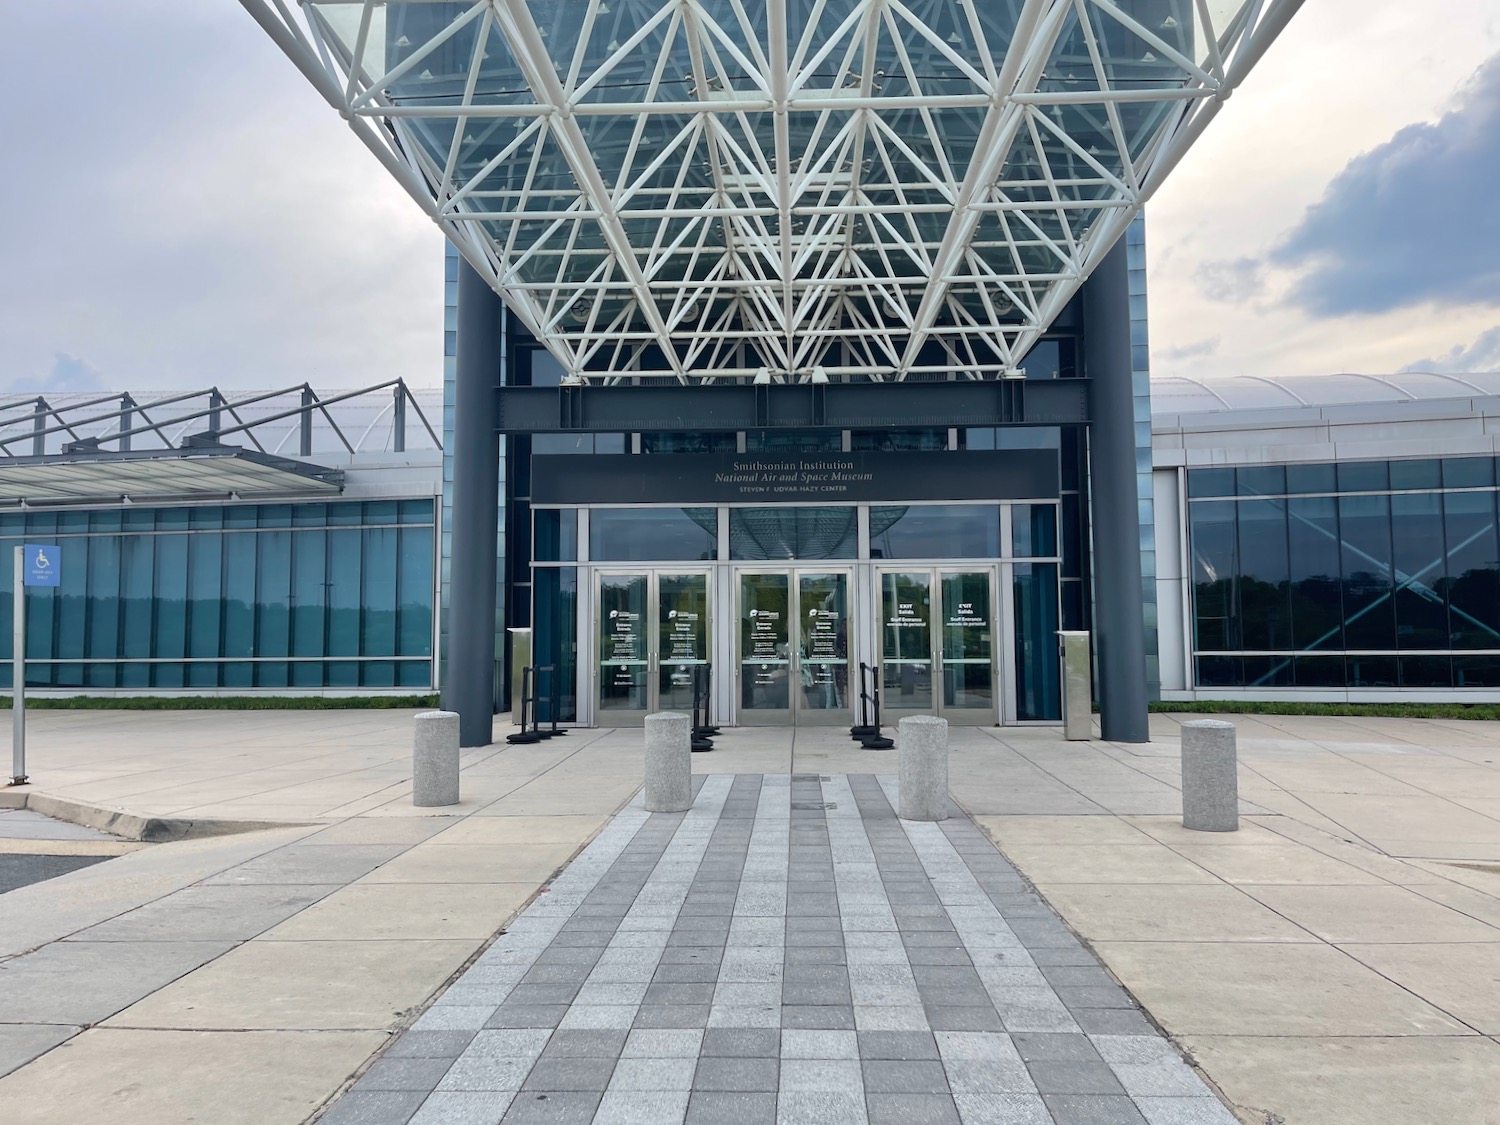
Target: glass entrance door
x=793, y=647
x=937, y=644
x=653, y=630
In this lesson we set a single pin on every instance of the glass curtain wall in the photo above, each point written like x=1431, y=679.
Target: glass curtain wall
x=246, y=596
x=1368, y=574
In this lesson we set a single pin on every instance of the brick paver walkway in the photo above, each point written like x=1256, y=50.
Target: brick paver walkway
x=787, y=951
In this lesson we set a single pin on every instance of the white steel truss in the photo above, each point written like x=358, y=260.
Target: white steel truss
x=792, y=189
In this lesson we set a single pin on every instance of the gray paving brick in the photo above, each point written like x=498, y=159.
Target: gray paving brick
x=375, y=1107
x=430, y=1045
x=672, y=1015
x=951, y=1017
x=486, y=1072
x=525, y=1043
x=809, y=1107
x=897, y=1045
x=466, y=1108
x=804, y=1043
x=896, y=1076
x=642, y=1107
x=736, y=1074
x=1001, y=1109
x=404, y=1074
x=570, y=1073
x=1055, y=1048
x=579, y=1043
x=912, y=1109
x=1106, y=996
x=527, y=1015
x=1185, y=1111
x=1074, y=1078
x=654, y=1074
x=838, y=1017
x=735, y=1042
x=1167, y=1078
x=829, y=1075
x=716, y=1107
x=540, y=1108
x=679, y=994
x=1092, y=1109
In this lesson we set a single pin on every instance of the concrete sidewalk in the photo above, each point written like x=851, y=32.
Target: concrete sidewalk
x=1335, y=961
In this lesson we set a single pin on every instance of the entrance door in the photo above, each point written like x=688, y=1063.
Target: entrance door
x=794, y=647
x=654, y=629
x=937, y=644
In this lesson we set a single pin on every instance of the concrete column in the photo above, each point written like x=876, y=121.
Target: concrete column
x=1210, y=777
x=1119, y=623
x=469, y=671
x=922, y=743
x=669, y=762
x=434, y=759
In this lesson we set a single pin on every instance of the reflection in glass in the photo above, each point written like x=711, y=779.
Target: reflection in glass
x=935, y=531
x=906, y=641
x=823, y=641
x=555, y=641
x=682, y=637
x=653, y=534
x=767, y=534
x=622, y=642
x=1037, y=673
x=764, y=648
x=556, y=535
x=1034, y=531
x=968, y=680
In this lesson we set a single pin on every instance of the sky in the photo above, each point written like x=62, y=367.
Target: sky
x=180, y=209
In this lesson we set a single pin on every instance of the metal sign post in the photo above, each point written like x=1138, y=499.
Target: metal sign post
x=33, y=566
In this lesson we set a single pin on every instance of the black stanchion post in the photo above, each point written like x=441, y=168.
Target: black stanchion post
x=528, y=708
x=863, y=729
x=875, y=740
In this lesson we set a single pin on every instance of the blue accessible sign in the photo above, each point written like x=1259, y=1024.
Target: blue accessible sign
x=41, y=565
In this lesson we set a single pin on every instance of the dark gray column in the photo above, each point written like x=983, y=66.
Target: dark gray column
x=469, y=675
x=1119, y=621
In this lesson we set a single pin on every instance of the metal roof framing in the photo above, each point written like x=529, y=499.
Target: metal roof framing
x=715, y=190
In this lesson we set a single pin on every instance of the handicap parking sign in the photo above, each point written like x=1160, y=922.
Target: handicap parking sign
x=41, y=565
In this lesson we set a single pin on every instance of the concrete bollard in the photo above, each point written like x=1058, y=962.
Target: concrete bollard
x=669, y=762
x=434, y=759
x=1210, y=781
x=923, y=747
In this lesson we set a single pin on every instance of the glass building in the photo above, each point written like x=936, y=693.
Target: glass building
x=267, y=542
x=1338, y=536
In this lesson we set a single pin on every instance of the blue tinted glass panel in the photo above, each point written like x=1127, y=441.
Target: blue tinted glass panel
x=1364, y=476
x=1216, y=568
x=1038, y=673
x=1416, y=474
x=757, y=534
x=556, y=534
x=1365, y=533
x=1472, y=582
x=1314, y=572
x=379, y=594
x=937, y=531
x=1468, y=472
x=1304, y=479
x=1261, y=480
x=555, y=634
x=1034, y=530
x=137, y=566
x=1210, y=482
x=343, y=595
x=1265, y=609
x=414, y=593
x=653, y=534
x=1420, y=561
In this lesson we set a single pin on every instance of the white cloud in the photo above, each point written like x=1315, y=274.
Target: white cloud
x=1345, y=78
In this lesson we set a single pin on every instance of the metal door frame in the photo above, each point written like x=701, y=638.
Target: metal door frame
x=652, y=575
x=795, y=714
x=1000, y=634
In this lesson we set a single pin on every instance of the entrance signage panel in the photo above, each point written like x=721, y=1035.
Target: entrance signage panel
x=728, y=478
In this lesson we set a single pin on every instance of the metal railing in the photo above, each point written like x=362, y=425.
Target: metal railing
x=113, y=422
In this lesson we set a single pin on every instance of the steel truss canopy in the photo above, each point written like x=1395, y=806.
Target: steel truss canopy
x=794, y=190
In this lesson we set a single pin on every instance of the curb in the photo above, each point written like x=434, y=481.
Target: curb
x=132, y=826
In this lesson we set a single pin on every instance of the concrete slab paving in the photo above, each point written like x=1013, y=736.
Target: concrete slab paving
x=718, y=960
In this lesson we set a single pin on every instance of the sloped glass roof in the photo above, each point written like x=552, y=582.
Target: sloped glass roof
x=1181, y=395
x=715, y=188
